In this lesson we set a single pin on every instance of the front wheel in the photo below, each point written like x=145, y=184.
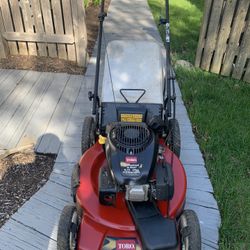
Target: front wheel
x=189, y=229
x=67, y=228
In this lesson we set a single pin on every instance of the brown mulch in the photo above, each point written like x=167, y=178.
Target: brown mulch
x=21, y=175
x=46, y=64
x=43, y=64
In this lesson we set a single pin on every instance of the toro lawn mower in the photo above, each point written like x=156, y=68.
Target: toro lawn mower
x=129, y=186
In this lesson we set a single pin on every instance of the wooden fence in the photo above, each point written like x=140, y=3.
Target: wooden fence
x=54, y=28
x=224, y=44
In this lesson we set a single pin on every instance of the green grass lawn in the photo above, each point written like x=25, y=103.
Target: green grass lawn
x=88, y=2
x=219, y=109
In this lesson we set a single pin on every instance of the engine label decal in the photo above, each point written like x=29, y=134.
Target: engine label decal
x=131, y=159
x=120, y=244
x=130, y=169
x=131, y=117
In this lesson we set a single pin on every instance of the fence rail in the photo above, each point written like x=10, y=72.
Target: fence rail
x=53, y=28
x=224, y=43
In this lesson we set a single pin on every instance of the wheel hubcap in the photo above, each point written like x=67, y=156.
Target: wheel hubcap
x=184, y=240
x=73, y=231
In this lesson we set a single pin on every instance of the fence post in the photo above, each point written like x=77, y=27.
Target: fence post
x=4, y=51
x=201, y=43
x=80, y=31
x=224, y=42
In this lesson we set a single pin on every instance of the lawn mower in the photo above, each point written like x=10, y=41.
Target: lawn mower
x=129, y=186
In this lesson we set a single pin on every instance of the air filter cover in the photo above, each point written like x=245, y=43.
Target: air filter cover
x=131, y=151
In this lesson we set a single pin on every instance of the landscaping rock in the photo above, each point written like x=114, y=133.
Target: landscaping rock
x=184, y=64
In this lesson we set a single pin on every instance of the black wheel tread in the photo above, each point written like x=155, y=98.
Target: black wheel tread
x=75, y=181
x=64, y=227
x=174, y=136
x=194, y=229
x=88, y=133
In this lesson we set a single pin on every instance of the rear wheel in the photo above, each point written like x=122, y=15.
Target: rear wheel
x=88, y=133
x=189, y=228
x=67, y=228
x=174, y=137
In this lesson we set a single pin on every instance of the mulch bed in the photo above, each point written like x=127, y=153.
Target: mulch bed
x=46, y=64
x=21, y=175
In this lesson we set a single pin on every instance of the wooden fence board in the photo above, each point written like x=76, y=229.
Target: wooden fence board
x=3, y=44
x=28, y=24
x=54, y=28
x=37, y=15
x=8, y=25
x=223, y=36
x=224, y=43
x=207, y=7
x=17, y=19
x=236, y=31
x=212, y=33
x=243, y=54
x=48, y=25
x=42, y=38
x=247, y=74
x=79, y=31
x=58, y=21
x=66, y=6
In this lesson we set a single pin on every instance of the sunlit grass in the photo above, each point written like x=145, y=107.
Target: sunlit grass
x=220, y=114
x=219, y=109
x=88, y=2
x=185, y=19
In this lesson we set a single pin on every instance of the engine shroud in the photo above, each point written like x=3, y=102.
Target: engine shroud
x=131, y=151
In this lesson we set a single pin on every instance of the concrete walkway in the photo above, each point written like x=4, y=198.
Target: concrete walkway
x=34, y=226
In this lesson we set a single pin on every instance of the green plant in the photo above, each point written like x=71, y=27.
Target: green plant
x=94, y=2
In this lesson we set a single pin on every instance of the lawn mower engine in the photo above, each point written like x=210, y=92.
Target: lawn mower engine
x=135, y=165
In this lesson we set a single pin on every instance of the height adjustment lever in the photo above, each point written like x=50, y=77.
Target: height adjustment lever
x=173, y=97
x=91, y=95
x=162, y=21
x=102, y=16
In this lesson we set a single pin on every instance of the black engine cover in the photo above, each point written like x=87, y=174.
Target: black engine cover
x=131, y=151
